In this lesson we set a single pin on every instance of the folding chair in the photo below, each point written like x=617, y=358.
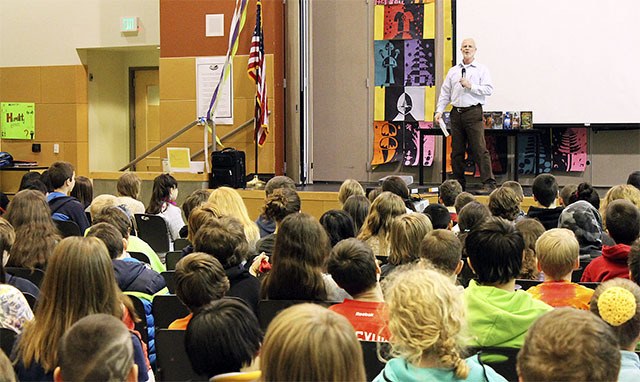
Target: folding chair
x=590, y=285
x=31, y=299
x=34, y=275
x=577, y=274
x=167, y=308
x=140, y=257
x=372, y=365
x=153, y=230
x=526, y=284
x=501, y=359
x=7, y=339
x=171, y=357
x=180, y=243
x=168, y=278
x=67, y=228
x=140, y=326
x=172, y=259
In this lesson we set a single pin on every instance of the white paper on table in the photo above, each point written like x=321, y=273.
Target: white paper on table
x=443, y=127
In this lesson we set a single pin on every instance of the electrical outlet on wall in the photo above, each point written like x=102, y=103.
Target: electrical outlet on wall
x=56, y=148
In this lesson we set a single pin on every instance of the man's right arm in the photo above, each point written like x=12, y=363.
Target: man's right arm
x=444, y=99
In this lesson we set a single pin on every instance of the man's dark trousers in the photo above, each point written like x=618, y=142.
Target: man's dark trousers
x=467, y=129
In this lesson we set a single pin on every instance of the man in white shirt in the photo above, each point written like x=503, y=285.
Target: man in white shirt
x=465, y=87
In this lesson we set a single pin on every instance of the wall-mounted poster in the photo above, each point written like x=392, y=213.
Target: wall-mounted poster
x=208, y=70
x=413, y=147
x=387, y=142
x=18, y=120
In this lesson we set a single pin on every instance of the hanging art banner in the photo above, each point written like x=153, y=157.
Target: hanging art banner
x=404, y=95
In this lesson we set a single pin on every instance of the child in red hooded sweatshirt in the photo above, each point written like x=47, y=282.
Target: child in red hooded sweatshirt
x=623, y=225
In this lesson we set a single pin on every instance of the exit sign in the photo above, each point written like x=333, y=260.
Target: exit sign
x=128, y=24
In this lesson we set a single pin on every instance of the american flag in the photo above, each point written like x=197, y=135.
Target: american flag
x=257, y=71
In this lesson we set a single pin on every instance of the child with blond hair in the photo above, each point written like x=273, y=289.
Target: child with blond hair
x=617, y=302
x=427, y=338
x=558, y=254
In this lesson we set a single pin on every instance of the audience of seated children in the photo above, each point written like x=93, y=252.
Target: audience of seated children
x=531, y=229
x=128, y=187
x=307, y=342
x=497, y=314
x=634, y=179
x=97, y=347
x=265, y=225
x=197, y=218
x=32, y=181
x=426, y=318
x=374, y=193
x=439, y=216
x=163, y=203
x=587, y=193
x=397, y=186
x=375, y=231
x=200, y=279
x=223, y=341
x=357, y=206
x=471, y=216
x=339, y=226
x=79, y=281
x=617, y=302
x=447, y=194
x=462, y=200
x=281, y=203
x=83, y=191
x=442, y=249
x=224, y=239
x=545, y=194
x=63, y=206
x=624, y=228
x=131, y=274
x=298, y=263
x=504, y=203
x=194, y=200
x=565, y=194
x=117, y=217
x=7, y=238
x=569, y=345
x=405, y=234
x=36, y=234
x=586, y=224
x=558, y=252
x=353, y=267
x=349, y=187
x=229, y=202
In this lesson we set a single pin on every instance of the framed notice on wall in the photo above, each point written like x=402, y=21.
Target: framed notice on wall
x=208, y=71
x=18, y=120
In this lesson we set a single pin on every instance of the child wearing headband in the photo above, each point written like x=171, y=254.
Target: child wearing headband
x=617, y=302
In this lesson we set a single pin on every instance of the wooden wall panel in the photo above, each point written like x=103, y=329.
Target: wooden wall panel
x=20, y=84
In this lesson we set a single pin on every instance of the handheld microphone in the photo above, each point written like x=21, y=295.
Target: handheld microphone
x=464, y=71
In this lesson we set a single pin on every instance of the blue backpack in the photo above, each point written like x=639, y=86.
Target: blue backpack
x=6, y=160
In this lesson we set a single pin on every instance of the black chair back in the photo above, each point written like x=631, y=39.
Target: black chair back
x=153, y=230
x=67, y=228
x=577, y=274
x=372, y=364
x=590, y=285
x=140, y=257
x=180, y=243
x=140, y=326
x=172, y=259
x=166, y=309
x=7, y=339
x=502, y=360
x=34, y=275
x=168, y=278
x=31, y=299
x=171, y=357
x=526, y=284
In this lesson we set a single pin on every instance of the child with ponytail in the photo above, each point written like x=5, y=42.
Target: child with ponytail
x=426, y=321
x=617, y=302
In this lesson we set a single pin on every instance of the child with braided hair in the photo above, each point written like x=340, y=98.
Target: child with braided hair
x=617, y=302
x=426, y=321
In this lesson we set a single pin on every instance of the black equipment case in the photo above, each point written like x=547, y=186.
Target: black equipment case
x=228, y=168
